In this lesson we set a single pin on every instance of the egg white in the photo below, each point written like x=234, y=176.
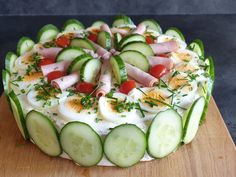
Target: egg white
x=23, y=61
x=184, y=55
x=166, y=38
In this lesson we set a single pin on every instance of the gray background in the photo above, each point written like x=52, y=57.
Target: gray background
x=70, y=7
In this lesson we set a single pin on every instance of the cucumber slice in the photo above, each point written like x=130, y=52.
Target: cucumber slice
x=89, y=70
x=98, y=24
x=104, y=40
x=73, y=25
x=164, y=134
x=83, y=43
x=131, y=38
x=81, y=143
x=142, y=47
x=43, y=133
x=125, y=145
x=117, y=39
x=69, y=53
x=18, y=114
x=47, y=33
x=118, y=68
x=175, y=32
x=24, y=45
x=135, y=58
x=153, y=25
x=192, y=119
x=78, y=62
x=122, y=21
x=5, y=79
x=198, y=47
x=10, y=60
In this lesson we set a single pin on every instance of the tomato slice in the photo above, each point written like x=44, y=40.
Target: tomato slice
x=46, y=61
x=163, y=55
x=54, y=75
x=62, y=41
x=93, y=37
x=127, y=86
x=149, y=40
x=85, y=87
x=158, y=71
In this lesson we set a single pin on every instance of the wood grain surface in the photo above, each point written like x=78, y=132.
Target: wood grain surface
x=211, y=154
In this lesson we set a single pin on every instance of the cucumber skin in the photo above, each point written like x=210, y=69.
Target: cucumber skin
x=185, y=126
x=122, y=17
x=71, y=47
x=8, y=59
x=13, y=96
x=51, y=124
x=121, y=126
x=154, y=22
x=98, y=23
x=201, y=46
x=108, y=39
x=82, y=71
x=85, y=40
x=210, y=89
x=122, y=69
x=121, y=43
x=70, y=68
x=178, y=31
x=117, y=40
x=19, y=44
x=130, y=43
x=45, y=28
x=149, y=129
x=73, y=21
x=73, y=122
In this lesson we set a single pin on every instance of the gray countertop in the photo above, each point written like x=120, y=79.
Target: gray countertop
x=216, y=31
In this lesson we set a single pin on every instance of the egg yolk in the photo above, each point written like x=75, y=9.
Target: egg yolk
x=33, y=76
x=156, y=97
x=180, y=82
x=185, y=67
x=183, y=56
x=27, y=60
x=74, y=105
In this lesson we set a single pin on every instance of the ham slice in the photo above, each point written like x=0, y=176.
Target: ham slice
x=155, y=60
x=105, y=27
x=114, y=52
x=66, y=81
x=60, y=66
x=141, y=76
x=47, y=52
x=165, y=47
x=119, y=30
x=140, y=29
x=101, y=51
x=105, y=79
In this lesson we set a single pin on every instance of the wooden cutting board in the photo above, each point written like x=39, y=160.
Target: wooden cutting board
x=211, y=154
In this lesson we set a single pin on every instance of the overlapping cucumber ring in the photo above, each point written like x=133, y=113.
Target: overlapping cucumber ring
x=86, y=147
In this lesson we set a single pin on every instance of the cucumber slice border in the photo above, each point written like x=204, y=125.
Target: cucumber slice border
x=131, y=38
x=177, y=31
x=118, y=68
x=24, y=45
x=126, y=21
x=115, y=129
x=10, y=61
x=117, y=39
x=104, y=39
x=72, y=22
x=5, y=80
x=154, y=25
x=187, y=119
x=97, y=23
x=92, y=130
x=145, y=64
x=45, y=29
x=76, y=60
x=150, y=129
x=149, y=53
x=21, y=119
x=197, y=43
x=66, y=50
x=51, y=125
x=79, y=42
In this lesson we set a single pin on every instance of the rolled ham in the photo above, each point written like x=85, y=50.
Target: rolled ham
x=105, y=79
x=101, y=51
x=165, y=47
x=140, y=29
x=119, y=30
x=141, y=76
x=114, y=52
x=105, y=27
x=155, y=60
x=66, y=81
x=60, y=66
x=47, y=52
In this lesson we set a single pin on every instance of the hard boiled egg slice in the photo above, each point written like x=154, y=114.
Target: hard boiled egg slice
x=24, y=61
x=165, y=38
x=152, y=100
x=71, y=109
x=111, y=109
x=184, y=55
x=186, y=67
